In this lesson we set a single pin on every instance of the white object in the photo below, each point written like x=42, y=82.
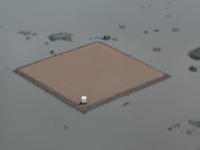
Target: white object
x=84, y=99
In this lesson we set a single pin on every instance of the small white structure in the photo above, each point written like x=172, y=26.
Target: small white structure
x=84, y=99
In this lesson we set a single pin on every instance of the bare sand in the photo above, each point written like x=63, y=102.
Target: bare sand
x=97, y=71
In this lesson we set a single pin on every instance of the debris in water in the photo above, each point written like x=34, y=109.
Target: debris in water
x=51, y=51
x=195, y=53
x=175, y=30
x=125, y=104
x=156, y=30
x=156, y=49
x=122, y=26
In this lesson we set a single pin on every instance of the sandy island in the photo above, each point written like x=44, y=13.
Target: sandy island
x=96, y=70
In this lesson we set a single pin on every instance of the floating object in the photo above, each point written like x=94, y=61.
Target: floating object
x=65, y=127
x=98, y=77
x=28, y=38
x=193, y=69
x=51, y=51
x=156, y=30
x=34, y=34
x=175, y=30
x=61, y=36
x=106, y=37
x=125, y=104
x=156, y=49
x=121, y=26
x=24, y=32
x=195, y=53
x=114, y=39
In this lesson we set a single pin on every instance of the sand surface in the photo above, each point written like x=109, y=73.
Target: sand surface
x=97, y=71
x=31, y=119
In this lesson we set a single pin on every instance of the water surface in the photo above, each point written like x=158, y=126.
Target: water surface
x=32, y=119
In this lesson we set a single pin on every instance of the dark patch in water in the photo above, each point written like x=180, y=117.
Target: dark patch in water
x=156, y=49
x=122, y=26
x=156, y=30
x=193, y=69
x=60, y=36
x=195, y=53
x=126, y=104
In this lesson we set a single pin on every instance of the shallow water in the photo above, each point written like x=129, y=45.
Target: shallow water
x=32, y=119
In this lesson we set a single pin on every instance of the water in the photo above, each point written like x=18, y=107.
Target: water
x=32, y=119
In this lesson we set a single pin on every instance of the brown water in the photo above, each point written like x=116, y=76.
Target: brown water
x=32, y=119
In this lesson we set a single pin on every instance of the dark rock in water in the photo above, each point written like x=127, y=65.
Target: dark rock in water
x=65, y=127
x=46, y=43
x=156, y=30
x=34, y=34
x=194, y=123
x=175, y=30
x=28, y=38
x=122, y=26
x=125, y=104
x=105, y=38
x=195, y=53
x=168, y=16
x=189, y=132
x=193, y=69
x=177, y=125
x=145, y=32
x=60, y=36
x=114, y=39
x=170, y=128
x=156, y=49
x=174, y=126
x=24, y=32
x=51, y=51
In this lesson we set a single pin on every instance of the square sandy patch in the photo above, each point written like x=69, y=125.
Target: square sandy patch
x=97, y=71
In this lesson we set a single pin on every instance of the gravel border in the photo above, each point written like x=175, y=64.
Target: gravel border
x=100, y=102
